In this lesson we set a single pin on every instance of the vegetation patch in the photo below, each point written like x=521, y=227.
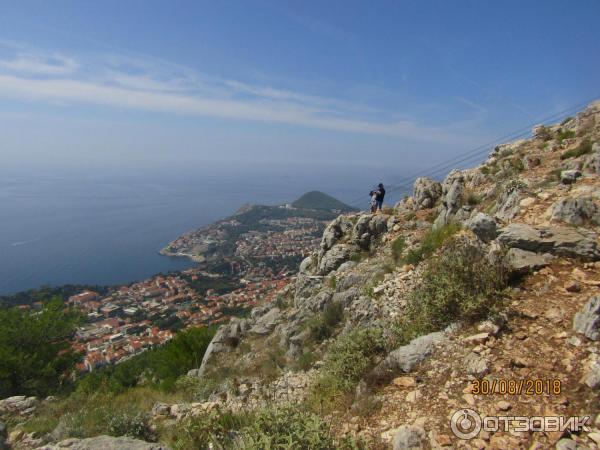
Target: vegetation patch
x=582, y=149
x=349, y=358
x=322, y=325
x=398, y=247
x=286, y=427
x=432, y=240
x=461, y=284
x=35, y=349
x=565, y=134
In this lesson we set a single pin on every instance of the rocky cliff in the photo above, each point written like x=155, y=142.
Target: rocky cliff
x=488, y=278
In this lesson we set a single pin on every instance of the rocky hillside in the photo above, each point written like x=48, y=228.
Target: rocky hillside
x=473, y=289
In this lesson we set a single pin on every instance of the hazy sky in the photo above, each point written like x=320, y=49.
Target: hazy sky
x=85, y=84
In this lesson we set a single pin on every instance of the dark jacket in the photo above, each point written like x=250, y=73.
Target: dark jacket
x=380, y=194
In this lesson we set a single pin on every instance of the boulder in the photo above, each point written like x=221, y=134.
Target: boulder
x=409, y=437
x=405, y=358
x=558, y=240
x=569, y=176
x=483, y=226
x=587, y=320
x=426, y=192
x=105, y=443
x=575, y=211
x=523, y=261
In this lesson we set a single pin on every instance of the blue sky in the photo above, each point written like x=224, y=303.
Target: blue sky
x=381, y=84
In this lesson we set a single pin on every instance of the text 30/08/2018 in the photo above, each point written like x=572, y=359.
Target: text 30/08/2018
x=516, y=387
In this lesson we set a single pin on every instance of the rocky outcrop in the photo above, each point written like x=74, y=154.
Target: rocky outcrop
x=104, y=443
x=561, y=241
x=576, y=211
x=452, y=192
x=426, y=192
x=267, y=323
x=508, y=204
x=226, y=337
x=335, y=257
x=587, y=321
x=345, y=237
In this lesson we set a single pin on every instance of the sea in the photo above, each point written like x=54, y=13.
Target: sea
x=106, y=226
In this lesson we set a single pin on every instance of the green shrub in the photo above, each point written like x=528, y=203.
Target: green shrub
x=471, y=198
x=565, y=134
x=432, y=240
x=277, y=428
x=517, y=164
x=544, y=133
x=332, y=282
x=484, y=170
x=398, y=247
x=321, y=326
x=35, y=349
x=582, y=149
x=461, y=284
x=348, y=359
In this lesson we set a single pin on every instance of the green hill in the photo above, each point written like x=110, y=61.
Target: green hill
x=321, y=201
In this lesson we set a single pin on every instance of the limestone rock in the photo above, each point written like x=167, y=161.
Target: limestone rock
x=523, y=261
x=483, y=226
x=426, y=192
x=587, y=320
x=405, y=358
x=575, y=211
x=558, y=240
x=266, y=324
x=476, y=365
x=335, y=257
x=409, y=437
x=509, y=204
x=452, y=191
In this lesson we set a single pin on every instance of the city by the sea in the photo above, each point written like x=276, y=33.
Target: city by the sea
x=106, y=227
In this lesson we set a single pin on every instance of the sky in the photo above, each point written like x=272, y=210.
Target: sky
x=381, y=84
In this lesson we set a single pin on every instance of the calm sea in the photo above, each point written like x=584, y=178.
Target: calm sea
x=103, y=227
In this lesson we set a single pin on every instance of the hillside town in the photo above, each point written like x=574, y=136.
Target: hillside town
x=134, y=318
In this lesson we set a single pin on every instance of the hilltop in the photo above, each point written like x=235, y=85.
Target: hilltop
x=464, y=296
x=321, y=201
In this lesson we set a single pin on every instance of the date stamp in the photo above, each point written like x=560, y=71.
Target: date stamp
x=513, y=386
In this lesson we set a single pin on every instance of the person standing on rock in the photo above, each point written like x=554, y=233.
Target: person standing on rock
x=379, y=196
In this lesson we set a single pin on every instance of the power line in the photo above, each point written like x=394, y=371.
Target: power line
x=475, y=152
